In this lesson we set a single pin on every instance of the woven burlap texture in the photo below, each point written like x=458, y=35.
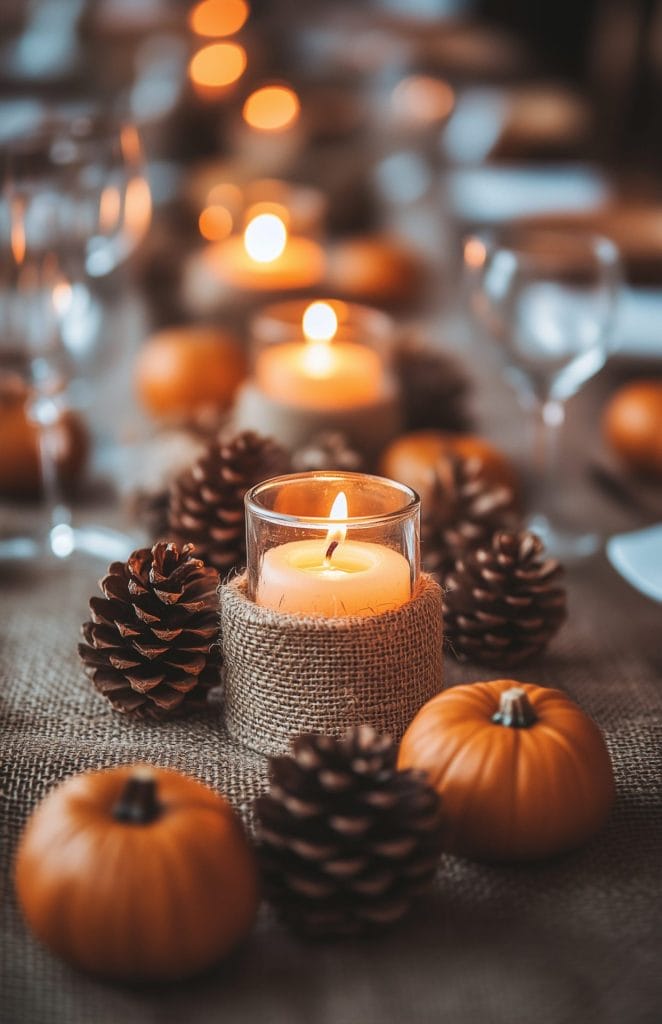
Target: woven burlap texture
x=290, y=674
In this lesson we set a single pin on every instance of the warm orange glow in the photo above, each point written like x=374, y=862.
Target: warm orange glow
x=275, y=209
x=137, y=208
x=336, y=534
x=265, y=238
x=225, y=194
x=110, y=206
x=130, y=144
x=18, y=243
x=215, y=223
x=422, y=99
x=272, y=108
x=218, y=65
x=475, y=253
x=219, y=17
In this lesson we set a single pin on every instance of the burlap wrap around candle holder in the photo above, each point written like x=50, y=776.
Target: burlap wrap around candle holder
x=290, y=674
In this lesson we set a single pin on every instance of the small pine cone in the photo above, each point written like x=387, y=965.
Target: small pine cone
x=460, y=511
x=150, y=647
x=346, y=841
x=328, y=450
x=434, y=387
x=502, y=602
x=207, y=500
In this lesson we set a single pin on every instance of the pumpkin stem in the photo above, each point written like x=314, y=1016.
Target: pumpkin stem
x=137, y=804
x=515, y=709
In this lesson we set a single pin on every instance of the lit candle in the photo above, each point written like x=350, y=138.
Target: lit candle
x=215, y=68
x=319, y=372
x=265, y=258
x=333, y=577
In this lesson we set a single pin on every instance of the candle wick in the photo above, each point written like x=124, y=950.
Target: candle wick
x=329, y=551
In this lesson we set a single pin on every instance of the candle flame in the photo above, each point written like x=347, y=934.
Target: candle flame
x=271, y=108
x=265, y=238
x=320, y=324
x=336, y=534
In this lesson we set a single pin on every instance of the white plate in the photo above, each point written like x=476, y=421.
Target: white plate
x=637, y=556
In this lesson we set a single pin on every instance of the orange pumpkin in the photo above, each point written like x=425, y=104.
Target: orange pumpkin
x=136, y=873
x=632, y=425
x=411, y=458
x=20, y=463
x=182, y=370
x=522, y=772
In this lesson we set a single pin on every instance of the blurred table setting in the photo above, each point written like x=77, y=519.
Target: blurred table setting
x=419, y=240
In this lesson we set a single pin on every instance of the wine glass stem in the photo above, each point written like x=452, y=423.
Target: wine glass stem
x=549, y=423
x=44, y=414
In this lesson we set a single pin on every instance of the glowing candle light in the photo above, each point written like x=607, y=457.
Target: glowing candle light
x=333, y=576
x=319, y=372
x=265, y=258
x=272, y=108
x=219, y=17
x=216, y=67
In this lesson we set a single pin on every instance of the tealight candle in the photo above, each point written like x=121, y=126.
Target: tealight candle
x=265, y=257
x=319, y=371
x=268, y=134
x=363, y=563
x=321, y=365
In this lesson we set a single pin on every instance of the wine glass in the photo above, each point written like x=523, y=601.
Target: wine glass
x=547, y=298
x=74, y=198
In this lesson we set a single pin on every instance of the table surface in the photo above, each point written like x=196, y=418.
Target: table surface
x=573, y=940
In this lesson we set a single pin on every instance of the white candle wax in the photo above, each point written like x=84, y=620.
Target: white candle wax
x=360, y=578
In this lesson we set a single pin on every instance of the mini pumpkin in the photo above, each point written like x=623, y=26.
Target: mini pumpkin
x=136, y=873
x=522, y=772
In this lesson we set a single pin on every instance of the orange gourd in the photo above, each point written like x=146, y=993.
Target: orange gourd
x=136, y=873
x=522, y=772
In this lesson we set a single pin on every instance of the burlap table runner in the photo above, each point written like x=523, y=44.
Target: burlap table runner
x=290, y=674
x=573, y=941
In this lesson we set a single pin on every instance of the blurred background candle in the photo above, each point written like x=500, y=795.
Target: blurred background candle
x=359, y=559
x=268, y=134
x=215, y=68
x=318, y=370
x=265, y=257
x=321, y=365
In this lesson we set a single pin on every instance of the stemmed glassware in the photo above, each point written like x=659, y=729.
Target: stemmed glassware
x=547, y=298
x=75, y=203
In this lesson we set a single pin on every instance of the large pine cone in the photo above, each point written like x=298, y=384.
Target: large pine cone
x=460, y=511
x=346, y=842
x=207, y=501
x=150, y=647
x=502, y=602
x=434, y=387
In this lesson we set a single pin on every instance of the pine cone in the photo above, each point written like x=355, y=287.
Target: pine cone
x=328, y=450
x=151, y=643
x=207, y=501
x=434, y=387
x=460, y=511
x=346, y=842
x=502, y=602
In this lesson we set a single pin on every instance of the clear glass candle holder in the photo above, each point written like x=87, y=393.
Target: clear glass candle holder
x=332, y=544
x=322, y=353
